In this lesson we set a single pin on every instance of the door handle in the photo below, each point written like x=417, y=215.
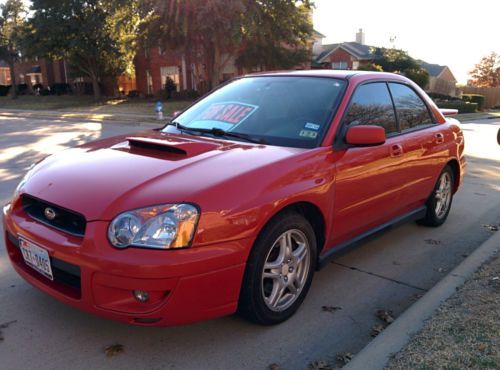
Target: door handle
x=439, y=138
x=396, y=150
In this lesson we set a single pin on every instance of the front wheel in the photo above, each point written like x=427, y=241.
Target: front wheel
x=279, y=270
x=439, y=203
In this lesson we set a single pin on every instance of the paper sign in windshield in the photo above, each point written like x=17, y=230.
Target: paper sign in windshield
x=230, y=112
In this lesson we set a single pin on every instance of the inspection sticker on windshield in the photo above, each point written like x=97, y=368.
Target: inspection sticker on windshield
x=312, y=126
x=233, y=113
x=309, y=134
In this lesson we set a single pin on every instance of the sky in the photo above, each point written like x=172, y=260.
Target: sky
x=453, y=33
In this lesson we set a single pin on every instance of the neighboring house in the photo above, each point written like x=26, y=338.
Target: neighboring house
x=35, y=72
x=345, y=55
x=441, y=79
x=154, y=65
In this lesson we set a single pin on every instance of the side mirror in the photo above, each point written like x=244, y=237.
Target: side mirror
x=176, y=113
x=365, y=135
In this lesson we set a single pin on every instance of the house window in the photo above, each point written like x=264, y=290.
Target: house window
x=35, y=78
x=339, y=65
x=170, y=72
x=149, y=82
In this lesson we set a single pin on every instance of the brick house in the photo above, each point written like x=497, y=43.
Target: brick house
x=42, y=71
x=441, y=79
x=153, y=67
x=345, y=55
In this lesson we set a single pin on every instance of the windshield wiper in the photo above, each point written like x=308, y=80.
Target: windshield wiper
x=217, y=132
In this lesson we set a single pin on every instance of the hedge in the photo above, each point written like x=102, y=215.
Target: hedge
x=4, y=90
x=438, y=96
x=474, y=98
x=463, y=107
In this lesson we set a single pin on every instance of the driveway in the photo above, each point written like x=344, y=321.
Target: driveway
x=388, y=272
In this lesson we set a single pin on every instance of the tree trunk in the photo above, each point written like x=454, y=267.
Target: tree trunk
x=13, y=88
x=215, y=70
x=95, y=87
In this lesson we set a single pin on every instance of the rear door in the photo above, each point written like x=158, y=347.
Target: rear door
x=368, y=188
x=422, y=141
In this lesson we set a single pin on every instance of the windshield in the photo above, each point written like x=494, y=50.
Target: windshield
x=284, y=111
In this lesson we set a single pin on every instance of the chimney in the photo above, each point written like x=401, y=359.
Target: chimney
x=360, y=37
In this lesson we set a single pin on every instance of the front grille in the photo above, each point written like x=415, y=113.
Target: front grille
x=65, y=220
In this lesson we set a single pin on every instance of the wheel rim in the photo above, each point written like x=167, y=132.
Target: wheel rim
x=286, y=269
x=443, y=195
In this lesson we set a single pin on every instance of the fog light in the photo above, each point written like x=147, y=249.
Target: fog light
x=141, y=295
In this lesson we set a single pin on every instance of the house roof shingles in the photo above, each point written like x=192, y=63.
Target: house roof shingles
x=360, y=51
x=433, y=69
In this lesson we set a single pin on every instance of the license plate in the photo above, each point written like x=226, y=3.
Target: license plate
x=36, y=257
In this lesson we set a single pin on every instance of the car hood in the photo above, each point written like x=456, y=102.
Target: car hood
x=106, y=177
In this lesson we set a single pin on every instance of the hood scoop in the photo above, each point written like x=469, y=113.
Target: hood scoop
x=179, y=148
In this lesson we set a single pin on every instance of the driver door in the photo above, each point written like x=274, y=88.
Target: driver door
x=367, y=190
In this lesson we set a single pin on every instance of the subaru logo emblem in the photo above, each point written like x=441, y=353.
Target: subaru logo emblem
x=49, y=213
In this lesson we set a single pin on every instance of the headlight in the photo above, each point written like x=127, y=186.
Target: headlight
x=165, y=226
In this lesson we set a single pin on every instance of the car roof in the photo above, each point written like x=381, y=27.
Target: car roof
x=331, y=73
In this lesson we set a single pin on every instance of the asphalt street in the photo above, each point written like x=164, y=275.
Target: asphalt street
x=388, y=272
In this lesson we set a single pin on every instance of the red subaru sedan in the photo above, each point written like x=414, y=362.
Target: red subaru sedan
x=236, y=203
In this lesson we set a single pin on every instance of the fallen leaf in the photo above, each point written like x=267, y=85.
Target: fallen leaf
x=386, y=316
x=330, y=308
x=376, y=330
x=441, y=270
x=274, y=367
x=344, y=357
x=320, y=365
x=491, y=227
x=5, y=325
x=432, y=241
x=482, y=347
x=113, y=350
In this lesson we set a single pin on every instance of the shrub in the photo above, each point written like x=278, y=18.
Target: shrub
x=45, y=92
x=4, y=90
x=474, y=98
x=463, y=107
x=442, y=97
x=60, y=89
x=370, y=67
x=185, y=95
x=418, y=75
x=133, y=94
x=22, y=89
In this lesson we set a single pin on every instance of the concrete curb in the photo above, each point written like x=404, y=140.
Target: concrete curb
x=378, y=352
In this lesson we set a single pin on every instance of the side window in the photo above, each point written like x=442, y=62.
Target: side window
x=372, y=105
x=412, y=111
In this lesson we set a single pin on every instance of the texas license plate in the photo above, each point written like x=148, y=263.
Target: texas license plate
x=36, y=257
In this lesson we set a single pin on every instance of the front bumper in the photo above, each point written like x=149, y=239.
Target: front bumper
x=184, y=286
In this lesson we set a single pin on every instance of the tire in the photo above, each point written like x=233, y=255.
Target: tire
x=439, y=203
x=274, y=297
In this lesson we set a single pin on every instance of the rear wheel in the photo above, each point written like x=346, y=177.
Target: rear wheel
x=279, y=270
x=439, y=203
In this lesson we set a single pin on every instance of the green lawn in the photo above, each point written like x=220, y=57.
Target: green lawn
x=86, y=104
